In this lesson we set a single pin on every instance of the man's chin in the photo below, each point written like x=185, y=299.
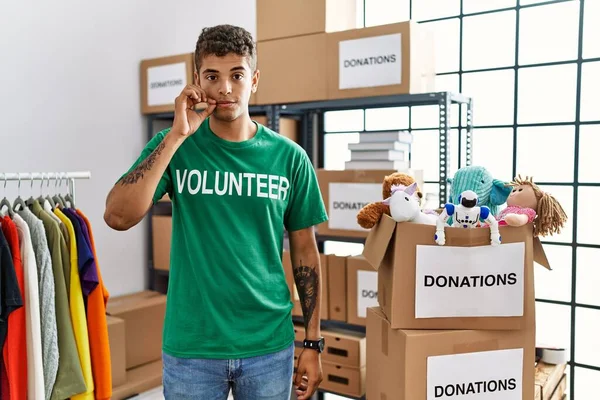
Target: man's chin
x=226, y=115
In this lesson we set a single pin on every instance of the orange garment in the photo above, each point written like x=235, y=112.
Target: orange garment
x=98, y=331
x=15, y=347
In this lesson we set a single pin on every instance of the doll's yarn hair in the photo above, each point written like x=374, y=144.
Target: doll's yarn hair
x=550, y=215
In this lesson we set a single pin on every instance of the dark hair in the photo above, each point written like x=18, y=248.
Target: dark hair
x=221, y=40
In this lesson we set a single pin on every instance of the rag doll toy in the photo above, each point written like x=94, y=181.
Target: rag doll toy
x=467, y=213
x=370, y=214
x=405, y=205
x=527, y=203
x=491, y=192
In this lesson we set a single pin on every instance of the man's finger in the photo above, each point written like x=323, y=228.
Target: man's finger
x=310, y=390
x=298, y=377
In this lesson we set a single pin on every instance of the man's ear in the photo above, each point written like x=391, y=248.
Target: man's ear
x=255, y=79
x=196, y=78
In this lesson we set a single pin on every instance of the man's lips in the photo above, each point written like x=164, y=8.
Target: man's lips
x=225, y=103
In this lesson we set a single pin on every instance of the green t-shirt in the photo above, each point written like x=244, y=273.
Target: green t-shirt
x=227, y=295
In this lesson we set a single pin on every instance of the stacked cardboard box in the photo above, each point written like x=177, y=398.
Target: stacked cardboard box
x=135, y=323
x=316, y=50
x=343, y=360
x=452, y=320
x=346, y=192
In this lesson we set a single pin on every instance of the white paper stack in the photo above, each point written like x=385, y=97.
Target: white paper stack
x=381, y=150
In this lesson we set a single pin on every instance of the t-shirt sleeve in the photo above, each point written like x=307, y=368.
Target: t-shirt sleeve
x=305, y=206
x=164, y=185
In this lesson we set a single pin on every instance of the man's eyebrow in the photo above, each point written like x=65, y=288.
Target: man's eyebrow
x=214, y=71
x=238, y=68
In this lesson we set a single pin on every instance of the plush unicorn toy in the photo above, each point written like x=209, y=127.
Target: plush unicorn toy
x=404, y=206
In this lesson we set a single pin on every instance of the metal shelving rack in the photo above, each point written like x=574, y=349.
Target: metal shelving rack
x=312, y=117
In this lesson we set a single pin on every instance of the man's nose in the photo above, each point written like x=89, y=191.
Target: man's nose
x=225, y=88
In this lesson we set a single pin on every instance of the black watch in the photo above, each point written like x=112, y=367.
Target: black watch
x=318, y=345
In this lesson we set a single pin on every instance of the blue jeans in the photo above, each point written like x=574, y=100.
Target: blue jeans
x=267, y=377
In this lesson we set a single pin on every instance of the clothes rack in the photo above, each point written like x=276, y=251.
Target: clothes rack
x=70, y=177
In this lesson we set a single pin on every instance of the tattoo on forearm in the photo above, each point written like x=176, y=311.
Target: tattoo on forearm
x=143, y=167
x=307, y=283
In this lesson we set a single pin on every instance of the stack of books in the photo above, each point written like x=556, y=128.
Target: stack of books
x=381, y=150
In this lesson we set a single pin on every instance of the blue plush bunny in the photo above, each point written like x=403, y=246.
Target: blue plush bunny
x=491, y=192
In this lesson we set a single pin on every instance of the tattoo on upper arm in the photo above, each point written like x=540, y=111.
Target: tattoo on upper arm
x=307, y=283
x=143, y=167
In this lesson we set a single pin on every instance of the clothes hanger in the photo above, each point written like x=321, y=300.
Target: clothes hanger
x=5, y=203
x=58, y=199
x=69, y=195
x=19, y=203
x=48, y=198
x=32, y=199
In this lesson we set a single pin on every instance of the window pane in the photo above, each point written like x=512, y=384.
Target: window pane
x=588, y=276
x=540, y=101
x=538, y=154
x=591, y=29
x=564, y=195
x=586, y=383
x=381, y=12
x=336, y=149
x=379, y=119
x=589, y=141
x=473, y=6
x=447, y=44
x=553, y=325
x=489, y=40
x=590, y=86
x=587, y=330
x=447, y=83
x=587, y=209
x=425, y=152
x=425, y=117
x=555, y=284
x=493, y=96
x=549, y=33
x=492, y=149
x=342, y=249
x=432, y=9
x=344, y=121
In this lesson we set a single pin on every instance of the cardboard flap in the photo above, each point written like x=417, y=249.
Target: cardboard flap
x=378, y=240
x=539, y=255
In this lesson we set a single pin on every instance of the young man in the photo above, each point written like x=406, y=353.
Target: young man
x=235, y=186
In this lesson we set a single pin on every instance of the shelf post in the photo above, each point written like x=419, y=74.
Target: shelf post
x=444, y=148
x=469, y=136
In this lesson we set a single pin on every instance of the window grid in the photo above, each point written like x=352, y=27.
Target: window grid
x=576, y=123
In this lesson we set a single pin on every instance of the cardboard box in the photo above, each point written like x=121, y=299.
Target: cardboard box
x=162, y=80
x=431, y=364
x=116, y=341
x=139, y=380
x=337, y=287
x=550, y=381
x=292, y=70
x=276, y=19
x=342, y=347
x=297, y=310
x=381, y=60
x=161, y=241
x=362, y=289
x=288, y=127
x=344, y=380
x=143, y=313
x=465, y=284
x=345, y=193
